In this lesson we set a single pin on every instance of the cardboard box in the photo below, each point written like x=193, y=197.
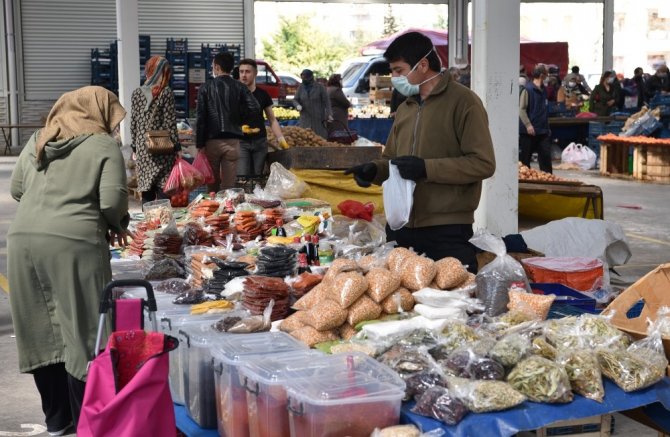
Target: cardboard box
x=596, y=426
x=654, y=290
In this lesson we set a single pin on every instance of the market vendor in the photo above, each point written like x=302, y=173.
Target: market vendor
x=441, y=140
x=254, y=145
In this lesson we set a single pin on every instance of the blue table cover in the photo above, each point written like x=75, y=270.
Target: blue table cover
x=529, y=415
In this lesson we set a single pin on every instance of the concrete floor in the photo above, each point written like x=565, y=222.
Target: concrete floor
x=646, y=228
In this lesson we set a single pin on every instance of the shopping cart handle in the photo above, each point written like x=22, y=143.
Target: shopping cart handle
x=106, y=298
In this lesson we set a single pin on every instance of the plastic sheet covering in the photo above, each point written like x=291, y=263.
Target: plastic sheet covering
x=529, y=415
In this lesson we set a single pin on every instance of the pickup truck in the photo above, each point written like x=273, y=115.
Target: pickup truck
x=269, y=81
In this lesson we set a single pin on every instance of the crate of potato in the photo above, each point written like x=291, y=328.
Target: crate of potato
x=527, y=174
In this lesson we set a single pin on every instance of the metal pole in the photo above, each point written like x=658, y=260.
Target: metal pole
x=127, y=31
x=608, y=34
x=11, y=66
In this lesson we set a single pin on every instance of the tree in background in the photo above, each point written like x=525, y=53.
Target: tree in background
x=441, y=23
x=391, y=26
x=298, y=44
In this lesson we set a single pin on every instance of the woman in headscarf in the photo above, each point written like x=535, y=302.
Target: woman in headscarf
x=339, y=103
x=311, y=99
x=70, y=182
x=153, y=109
x=603, y=98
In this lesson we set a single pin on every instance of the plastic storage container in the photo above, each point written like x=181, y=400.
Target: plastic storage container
x=264, y=378
x=231, y=353
x=350, y=400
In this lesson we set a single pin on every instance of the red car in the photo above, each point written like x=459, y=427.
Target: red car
x=269, y=81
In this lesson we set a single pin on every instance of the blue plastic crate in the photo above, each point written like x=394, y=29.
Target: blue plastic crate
x=560, y=311
x=566, y=296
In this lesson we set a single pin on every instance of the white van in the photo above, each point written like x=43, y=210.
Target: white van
x=356, y=77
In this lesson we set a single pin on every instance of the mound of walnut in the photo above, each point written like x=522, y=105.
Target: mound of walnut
x=530, y=174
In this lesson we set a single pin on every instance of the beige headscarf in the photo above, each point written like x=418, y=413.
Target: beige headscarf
x=87, y=110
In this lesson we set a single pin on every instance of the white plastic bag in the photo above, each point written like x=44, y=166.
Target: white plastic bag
x=283, y=183
x=398, y=198
x=580, y=155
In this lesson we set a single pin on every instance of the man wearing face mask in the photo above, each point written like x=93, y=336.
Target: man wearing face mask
x=439, y=139
x=534, y=122
x=659, y=83
x=570, y=94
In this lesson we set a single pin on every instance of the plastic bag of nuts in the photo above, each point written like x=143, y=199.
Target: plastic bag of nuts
x=450, y=273
x=397, y=258
x=369, y=262
x=418, y=272
x=400, y=299
x=316, y=295
x=363, y=309
x=381, y=283
x=338, y=266
x=347, y=331
x=535, y=305
x=325, y=315
x=292, y=322
x=347, y=287
x=311, y=336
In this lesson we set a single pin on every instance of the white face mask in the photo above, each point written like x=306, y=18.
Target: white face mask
x=402, y=85
x=572, y=84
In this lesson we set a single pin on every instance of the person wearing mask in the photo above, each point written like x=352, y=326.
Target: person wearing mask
x=339, y=104
x=640, y=82
x=570, y=95
x=70, y=182
x=224, y=104
x=534, y=121
x=254, y=146
x=153, y=109
x=603, y=98
x=581, y=80
x=659, y=83
x=311, y=99
x=440, y=139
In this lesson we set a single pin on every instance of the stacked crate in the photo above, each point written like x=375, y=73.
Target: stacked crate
x=597, y=128
x=177, y=55
x=380, y=90
x=197, y=75
x=145, y=54
x=104, y=69
x=209, y=51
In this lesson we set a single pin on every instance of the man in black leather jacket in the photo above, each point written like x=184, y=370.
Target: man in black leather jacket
x=223, y=106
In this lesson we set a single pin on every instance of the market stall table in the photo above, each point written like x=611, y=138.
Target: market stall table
x=7, y=133
x=373, y=129
x=649, y=160
x=555, y=200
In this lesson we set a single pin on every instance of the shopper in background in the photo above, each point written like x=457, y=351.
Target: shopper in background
x=339, y=104
x=581, y=80
x=570, y=94
x=224, y=104
x=70, y=182
x=659, y=83
x=313, y=103
x=254, y=146
x=620, y=95
x=603, y=98
x=640, y=82
x=440, y=139
x=534, y=122
x=153, y=109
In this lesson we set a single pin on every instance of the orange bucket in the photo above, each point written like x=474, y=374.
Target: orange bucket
x=582, y=274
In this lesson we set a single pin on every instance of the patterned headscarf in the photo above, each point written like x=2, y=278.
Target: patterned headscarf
x=157, y=70
x=87, y=110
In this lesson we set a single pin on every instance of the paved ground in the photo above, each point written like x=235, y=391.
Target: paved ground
x=646, y=228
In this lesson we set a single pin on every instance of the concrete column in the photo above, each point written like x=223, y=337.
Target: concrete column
x=495, y=67
x=249, y=30
x=458, y=32
x=608, y=34
x=127, y=32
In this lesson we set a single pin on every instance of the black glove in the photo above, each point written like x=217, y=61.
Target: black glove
x=363, y=174
x=410, y=167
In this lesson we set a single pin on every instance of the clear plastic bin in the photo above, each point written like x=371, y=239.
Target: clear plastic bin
x=264, y=378
x=229, y=354
x=336, y=401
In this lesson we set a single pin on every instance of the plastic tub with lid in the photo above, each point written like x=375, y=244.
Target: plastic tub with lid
x=229, y=354
x=264, y=378
x=337, y=401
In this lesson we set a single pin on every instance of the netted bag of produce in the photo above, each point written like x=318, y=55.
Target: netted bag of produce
x=466, y=363
x=584, y=372
x=440, y=404
x=314, y=296
x=325, y=315
x=641, y=365
x=535, y=305
x=541, y=380
x=311, y=336
x=450, y=273
x=397, y=257
x=418, y=272
x=496, y=278
x=347, y=287
x=400, y=301
x=363, y=309
x=293, y=322
x=338, y=266
x=485, y=396
x=381, y=283
x=510, y=349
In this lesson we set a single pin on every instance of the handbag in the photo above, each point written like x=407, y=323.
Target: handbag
x=158, y=142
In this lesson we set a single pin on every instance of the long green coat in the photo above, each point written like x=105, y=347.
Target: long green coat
x=58, y=256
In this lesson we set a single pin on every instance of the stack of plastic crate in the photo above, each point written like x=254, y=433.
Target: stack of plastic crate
x=209, y=51
x=177, y=55
x=103, y=69
x=597, y=128
x=145, y=54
